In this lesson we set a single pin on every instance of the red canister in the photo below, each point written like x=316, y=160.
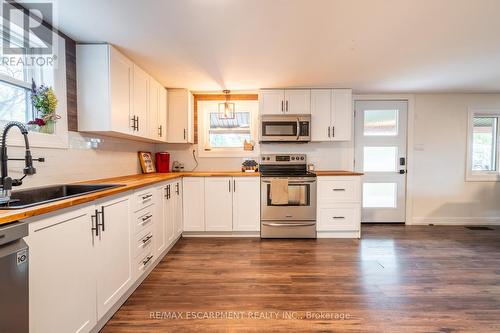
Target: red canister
x=162, y=162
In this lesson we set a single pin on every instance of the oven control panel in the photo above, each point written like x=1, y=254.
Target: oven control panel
x=283, y=159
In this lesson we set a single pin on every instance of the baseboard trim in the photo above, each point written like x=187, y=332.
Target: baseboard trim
x=221, y=234
x=101, y=323
x=455, y=221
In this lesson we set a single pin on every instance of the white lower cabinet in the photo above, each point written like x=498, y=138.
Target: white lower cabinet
x=113, y=252
x=246, y=204
x=193, y=195
x=218, y=204
x=221, y=204
x=62, y=283
x=339, y=207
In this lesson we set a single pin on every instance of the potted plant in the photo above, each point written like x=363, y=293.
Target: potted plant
x=44, y=103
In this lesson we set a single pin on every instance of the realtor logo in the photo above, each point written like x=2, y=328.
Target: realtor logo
x=23, y=32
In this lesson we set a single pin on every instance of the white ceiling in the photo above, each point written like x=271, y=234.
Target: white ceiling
x=369, y=45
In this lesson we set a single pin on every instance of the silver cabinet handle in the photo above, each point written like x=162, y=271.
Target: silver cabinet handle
x=160, y=131
x=146, y=239
x=338, y=217
x=298, y=126
x=148, y=259
x=339, y=189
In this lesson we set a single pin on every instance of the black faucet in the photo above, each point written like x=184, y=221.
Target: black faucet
x=7, y=182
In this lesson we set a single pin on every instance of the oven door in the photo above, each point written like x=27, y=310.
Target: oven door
x=301, y=204
x=285, y=129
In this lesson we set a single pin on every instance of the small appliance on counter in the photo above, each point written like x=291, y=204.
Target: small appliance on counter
x=162, y=162
x=249, y=166
x=177, y=166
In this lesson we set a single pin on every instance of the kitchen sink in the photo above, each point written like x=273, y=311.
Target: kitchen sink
x=40, y=195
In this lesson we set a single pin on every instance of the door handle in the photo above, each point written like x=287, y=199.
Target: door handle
x=298, y=126
x=402, y=171
x=402, y=161
x=274, y=224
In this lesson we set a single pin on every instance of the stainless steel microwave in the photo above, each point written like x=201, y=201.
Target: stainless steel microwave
x=285, y=128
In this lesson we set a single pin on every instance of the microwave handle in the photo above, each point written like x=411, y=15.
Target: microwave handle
x=298, y=128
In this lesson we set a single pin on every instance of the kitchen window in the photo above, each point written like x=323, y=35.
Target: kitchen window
x=482, y=150
x=16, y=76
x=221, y=135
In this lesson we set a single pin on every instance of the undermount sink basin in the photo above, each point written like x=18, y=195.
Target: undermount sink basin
x=40, y=195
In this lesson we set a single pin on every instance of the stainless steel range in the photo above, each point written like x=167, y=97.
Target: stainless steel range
x=288, y=197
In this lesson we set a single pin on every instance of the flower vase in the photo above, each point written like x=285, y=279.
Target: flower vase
x=48, y=128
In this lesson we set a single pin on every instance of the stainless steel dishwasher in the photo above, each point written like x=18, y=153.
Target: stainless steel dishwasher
x=14, y=297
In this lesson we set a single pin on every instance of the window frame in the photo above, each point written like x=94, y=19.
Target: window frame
x=482, y=175
x=60, y=137
x=203, y=131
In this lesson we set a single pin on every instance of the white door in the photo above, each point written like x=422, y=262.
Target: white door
x=272, y=101
x=162, y=114
x=140, y=102
x=298, y=101
x=160, y=236
x=179, y=116
x=321, y=106
x=153, y=109
x=178, y=209
x=380, y=149
x=341, y=115
x=246, y=203
x=113, y=253
x=193, y=199
x=61, y=274
x=120, y=81
x=218, y=204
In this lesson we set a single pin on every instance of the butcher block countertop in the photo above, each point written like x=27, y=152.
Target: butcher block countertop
x=337, y=173
x=131, y=182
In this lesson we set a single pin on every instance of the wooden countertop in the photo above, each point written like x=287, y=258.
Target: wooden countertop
x=129, y=183
x=337, y=173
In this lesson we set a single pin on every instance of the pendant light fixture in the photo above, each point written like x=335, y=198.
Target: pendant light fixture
x=226, y=109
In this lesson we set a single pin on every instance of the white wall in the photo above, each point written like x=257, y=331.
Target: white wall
x=113, y=157
x=440, y=192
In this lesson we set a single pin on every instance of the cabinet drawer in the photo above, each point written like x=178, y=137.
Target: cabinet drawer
x=143, y=262
x=339, y=190
x=339, y=218
x=143, y=199
x=143, y=219
x=143, y=242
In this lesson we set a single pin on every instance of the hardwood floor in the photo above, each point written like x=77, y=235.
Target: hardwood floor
x=395, y=279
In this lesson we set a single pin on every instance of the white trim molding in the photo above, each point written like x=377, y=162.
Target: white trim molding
x=448, y=220
x=481, y=176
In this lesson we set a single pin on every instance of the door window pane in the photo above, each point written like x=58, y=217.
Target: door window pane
x=380, y=122
x=379, y=159
x=379, y=195
x=484, y=143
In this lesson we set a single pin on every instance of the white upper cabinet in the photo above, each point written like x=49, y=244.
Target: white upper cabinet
x=297, y=101
x=180, y=116
x=321, y=104
x=141, y=102
x=331, y=115
x=272, y=101
x=218, y=204
x=162, y=114
x=342, y=114
x=285, y=101
x=246, y=204
x=114, y=96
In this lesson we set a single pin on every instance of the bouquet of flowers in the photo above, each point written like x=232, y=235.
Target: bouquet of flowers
x=44, y=102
